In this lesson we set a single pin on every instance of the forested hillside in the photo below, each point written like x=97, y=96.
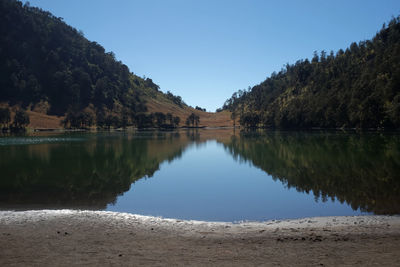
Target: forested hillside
x=47, y=64
x=355, y=88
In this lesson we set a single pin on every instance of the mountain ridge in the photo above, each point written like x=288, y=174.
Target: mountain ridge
x=51, y=70
x=355, y=88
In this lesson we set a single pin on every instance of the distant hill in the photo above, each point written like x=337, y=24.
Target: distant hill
x=355, y=88
x=51, y=69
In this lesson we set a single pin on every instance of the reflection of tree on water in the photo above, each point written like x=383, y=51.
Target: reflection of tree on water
x=82, y=175
x=193, y=134
x=363, y=170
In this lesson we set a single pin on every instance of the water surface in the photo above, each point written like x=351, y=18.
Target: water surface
x=216, y=175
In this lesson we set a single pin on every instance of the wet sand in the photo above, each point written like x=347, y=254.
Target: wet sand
x=68, y=238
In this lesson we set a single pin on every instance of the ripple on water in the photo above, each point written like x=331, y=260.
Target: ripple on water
x=32, y=140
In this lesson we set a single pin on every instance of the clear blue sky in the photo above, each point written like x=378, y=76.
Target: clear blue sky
x=205, y=50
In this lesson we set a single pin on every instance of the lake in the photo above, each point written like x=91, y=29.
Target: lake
x=215, y=175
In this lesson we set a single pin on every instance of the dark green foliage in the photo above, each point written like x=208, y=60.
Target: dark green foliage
x=250, y=120
x=42, y=58
x=158, y=119
x=79, y=119
x=201, y=109
x=169, y=118
x=100, y=118
x=144, y=120
x=176, y=121
x=149, y=83
x=175, y=99
x=193, y=120
x=356, y=88
x=233, y=117
x=112, y=121
x=124, y=119
x=21, y=119
x=5, y=117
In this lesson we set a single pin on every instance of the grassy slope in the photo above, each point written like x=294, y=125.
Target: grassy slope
x=155, y=101
x=160, y=103
x=38, y=119
x=43, y=121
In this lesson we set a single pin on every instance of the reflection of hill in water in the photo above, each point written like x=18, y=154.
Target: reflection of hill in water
x=88, y=174
x=363, y=170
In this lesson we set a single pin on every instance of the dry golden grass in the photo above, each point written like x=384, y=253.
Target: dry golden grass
x=208, y=119
x=43, y=121
x=156, y=103
x=38, y=119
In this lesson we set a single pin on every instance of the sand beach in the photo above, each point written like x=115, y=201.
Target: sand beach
x=99, y=238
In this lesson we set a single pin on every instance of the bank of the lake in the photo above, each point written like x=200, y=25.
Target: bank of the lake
x=67, y=238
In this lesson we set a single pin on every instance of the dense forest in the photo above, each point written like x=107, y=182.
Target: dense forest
x=45, y=62
x=355, y=88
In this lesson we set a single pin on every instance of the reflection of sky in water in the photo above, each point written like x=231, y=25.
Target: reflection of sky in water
x=206, y=183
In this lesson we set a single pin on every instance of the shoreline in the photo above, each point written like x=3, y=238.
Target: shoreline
x=7, y=216
x=70, y=237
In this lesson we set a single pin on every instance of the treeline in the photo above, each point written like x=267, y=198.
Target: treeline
x=44, y=61
x=87, y=118
x=18, y=123
x=355, y=88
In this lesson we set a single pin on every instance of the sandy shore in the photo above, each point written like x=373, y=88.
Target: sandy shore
x=65, y=238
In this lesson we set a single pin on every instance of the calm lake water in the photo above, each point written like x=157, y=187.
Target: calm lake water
x=216, y=175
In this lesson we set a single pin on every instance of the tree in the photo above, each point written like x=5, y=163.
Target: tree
x=233, y=117
x=169, y=118
x=124, y=120
x=160, y=118
x=144, y=121
x=5, y=117
x=112, y=120
x=175, y=99
x=21, y=119
x=193, y=120
x=87, y=118
x=176, y=121
x=201, y=109
x=100, y=118
x=250, y=120
x=79, y=119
